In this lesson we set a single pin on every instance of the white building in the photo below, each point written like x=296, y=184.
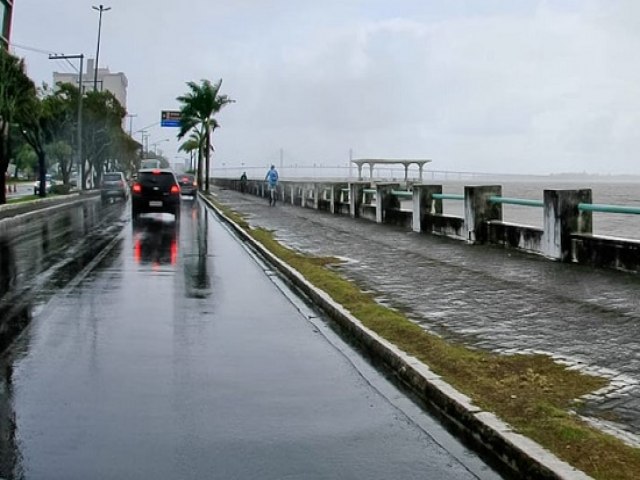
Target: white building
x=115, y=83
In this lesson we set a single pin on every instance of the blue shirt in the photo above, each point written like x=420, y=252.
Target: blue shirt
x=272, y=177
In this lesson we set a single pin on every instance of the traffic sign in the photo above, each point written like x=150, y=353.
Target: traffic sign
x=170, y=118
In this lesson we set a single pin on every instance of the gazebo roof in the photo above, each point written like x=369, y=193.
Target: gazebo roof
x=388, y=161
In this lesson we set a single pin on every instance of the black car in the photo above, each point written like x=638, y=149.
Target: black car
x=155, y=190
x=114, y=185
x=188, y=184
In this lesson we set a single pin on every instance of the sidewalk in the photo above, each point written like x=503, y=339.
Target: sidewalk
x=487, y=297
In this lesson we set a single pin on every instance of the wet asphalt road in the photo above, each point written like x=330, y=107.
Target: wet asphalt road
x=165, y=350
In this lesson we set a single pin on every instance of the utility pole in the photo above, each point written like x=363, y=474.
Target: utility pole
x=80, y=164
x=100, y=9
x=131, y=117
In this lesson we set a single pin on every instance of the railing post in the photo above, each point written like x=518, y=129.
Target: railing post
x=423, y=203
x=384, y=199
x=478, y=210
x=355, y=198
x=335, y=195
x=561, y=219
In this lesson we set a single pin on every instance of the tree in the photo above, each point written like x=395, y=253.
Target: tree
x=37, y=121
x=193, y=146
x=61, y=153
x=197, y=112
x=16, y=91
x=102, y=116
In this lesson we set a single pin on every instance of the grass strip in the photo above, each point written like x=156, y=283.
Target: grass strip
x=532, y=393
x=25, y=199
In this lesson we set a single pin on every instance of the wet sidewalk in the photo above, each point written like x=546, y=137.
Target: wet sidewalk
x=486, y=296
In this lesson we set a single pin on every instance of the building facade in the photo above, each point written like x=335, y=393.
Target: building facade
x=116, y=83
x=6, y=11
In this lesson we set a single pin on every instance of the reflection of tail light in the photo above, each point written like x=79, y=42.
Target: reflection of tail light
x=137, y=250
x=174, y=251
x=195, y=184
x=136, y=188
x=175, y=190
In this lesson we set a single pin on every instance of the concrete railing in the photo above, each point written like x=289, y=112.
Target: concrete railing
x=566, y=234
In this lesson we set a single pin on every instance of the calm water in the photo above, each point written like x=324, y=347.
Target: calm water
x=611, y=224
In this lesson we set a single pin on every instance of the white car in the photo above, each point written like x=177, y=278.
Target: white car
x=49, y=182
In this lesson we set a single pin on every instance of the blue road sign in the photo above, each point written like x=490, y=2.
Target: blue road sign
x=170, y=118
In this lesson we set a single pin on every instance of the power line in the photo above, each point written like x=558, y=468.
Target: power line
x=41, y=51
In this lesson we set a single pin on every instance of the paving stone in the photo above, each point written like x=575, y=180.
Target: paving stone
x=489, y=297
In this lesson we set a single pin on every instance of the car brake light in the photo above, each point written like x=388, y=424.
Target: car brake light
x=175, y=189
x=195, y=184
x=136, y=188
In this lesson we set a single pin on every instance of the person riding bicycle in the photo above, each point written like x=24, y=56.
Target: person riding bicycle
x=272, y=179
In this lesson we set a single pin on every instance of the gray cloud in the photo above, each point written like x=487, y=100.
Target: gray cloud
x=523, y=86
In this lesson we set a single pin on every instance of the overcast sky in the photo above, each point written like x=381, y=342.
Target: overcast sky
x=501, y=86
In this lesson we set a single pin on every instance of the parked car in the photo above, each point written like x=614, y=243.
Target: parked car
x=114, y=185
x=155, y=190
x=49, y=182
x=188, y=184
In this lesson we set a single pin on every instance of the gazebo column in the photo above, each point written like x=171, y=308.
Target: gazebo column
x=420, y=167
x=371, y=171
x=406, y=172
x=360, y=171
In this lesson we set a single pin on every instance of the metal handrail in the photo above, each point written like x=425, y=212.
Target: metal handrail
x=402, y=193
x=447, y=196
x=600, y=207
x=516, y=201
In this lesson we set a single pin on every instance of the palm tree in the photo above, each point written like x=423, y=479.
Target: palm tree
x=199, y=106
x=192, y=146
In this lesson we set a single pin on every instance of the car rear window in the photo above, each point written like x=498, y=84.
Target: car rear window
x=186, y=178
x=112, y=177
x=161, y=179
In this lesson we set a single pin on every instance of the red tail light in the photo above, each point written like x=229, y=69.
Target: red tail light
x=136, y=188
x=175, y=190
x=155, y=171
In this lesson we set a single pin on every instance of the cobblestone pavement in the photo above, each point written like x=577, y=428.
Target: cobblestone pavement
x=489, y=297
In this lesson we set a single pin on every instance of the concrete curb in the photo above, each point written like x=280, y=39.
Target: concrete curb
x=14, y=209
x=517, y=453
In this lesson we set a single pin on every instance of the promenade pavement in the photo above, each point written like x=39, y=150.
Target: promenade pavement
x=488, y=297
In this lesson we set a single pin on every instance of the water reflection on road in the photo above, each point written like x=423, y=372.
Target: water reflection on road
x=176, y=356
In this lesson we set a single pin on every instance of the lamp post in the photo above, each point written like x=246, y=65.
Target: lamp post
x=155, y=145
x=100, y=9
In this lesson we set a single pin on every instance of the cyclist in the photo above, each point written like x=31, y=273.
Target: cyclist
x=272, y=179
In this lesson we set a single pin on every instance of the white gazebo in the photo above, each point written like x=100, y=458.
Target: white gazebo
x=372, y=162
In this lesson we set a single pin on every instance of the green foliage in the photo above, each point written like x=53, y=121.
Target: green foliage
x=16, y=92
x=197, y=115
x=60, y=189
x=26, y=159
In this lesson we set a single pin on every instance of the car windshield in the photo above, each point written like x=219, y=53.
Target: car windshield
x=161, y=179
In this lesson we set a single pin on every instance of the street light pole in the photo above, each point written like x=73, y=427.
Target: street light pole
x=100, y=9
